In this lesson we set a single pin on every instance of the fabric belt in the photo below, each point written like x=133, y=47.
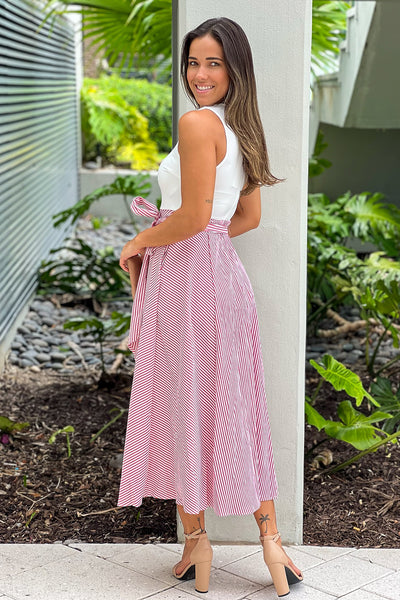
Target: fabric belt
x=144, y=208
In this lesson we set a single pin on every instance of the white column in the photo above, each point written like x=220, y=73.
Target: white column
x=274, y=255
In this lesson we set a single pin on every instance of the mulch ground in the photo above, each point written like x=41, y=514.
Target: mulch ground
x=46, y=496
x=358, y=506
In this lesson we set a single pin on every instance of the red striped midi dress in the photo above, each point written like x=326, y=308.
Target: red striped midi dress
x=198, y=428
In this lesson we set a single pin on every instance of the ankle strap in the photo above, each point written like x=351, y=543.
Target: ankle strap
x=190, y=536
x=274, y=537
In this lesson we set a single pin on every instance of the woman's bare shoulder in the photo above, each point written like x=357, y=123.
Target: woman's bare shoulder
x=195, y=121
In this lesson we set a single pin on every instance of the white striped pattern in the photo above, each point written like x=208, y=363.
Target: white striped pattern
x=198, y=429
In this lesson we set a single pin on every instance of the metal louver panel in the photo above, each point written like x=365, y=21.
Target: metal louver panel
x=39, y=145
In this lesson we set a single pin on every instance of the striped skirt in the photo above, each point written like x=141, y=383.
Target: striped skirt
x=198, y=429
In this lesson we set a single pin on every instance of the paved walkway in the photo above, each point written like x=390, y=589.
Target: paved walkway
x=136, y=571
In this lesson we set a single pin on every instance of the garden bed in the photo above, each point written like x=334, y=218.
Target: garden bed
x=48, y=497
x=360, y=505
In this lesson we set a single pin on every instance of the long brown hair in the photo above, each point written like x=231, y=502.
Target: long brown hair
x=241, y=106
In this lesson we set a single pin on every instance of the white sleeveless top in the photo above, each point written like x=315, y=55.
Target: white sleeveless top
x=229, y=181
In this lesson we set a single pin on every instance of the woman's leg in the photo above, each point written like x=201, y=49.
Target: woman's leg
x=266, y=521
x=190, y=524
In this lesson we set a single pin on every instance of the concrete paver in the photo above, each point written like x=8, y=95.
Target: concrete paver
x=17, y=558
x=389, y=587
x=362, y=594
x=344, y=574
x=297, y=592
x=137, y=571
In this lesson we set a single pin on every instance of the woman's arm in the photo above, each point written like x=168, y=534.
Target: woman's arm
x=134, y=264
x=198, y=135
x=247, y=215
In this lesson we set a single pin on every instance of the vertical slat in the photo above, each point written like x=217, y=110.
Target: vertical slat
x=39, y=145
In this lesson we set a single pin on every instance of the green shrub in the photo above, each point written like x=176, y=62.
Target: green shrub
x=126, y=120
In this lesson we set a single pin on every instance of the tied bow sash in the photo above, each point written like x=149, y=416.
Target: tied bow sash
x=143, y=208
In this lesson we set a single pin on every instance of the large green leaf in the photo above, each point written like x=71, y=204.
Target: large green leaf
x=342, y=378
x=373, y=216
x=355, y=428
x=124, y=29
x=328, y=30
x=314, y=418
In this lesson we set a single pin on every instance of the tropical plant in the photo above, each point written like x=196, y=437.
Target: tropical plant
x=341, y=378
x=116, y=129
x=125, y=30
x=389, y=402
x=126, y=186
x=381, y=305
x=153, y=100
x=88, y=273
x=353, y=427
x=336, y=273
x=328, y=31
x=116, y=325
x=317, y=164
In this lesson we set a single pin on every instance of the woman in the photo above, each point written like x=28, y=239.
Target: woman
x=198, y=429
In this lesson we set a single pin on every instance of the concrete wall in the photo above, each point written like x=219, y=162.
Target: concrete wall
x=362, y=160
x=111, y=206
x=275, y=254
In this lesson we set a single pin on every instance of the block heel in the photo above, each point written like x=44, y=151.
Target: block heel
x=277, y=562
x=199, y=567
x=203, y=571
x=279, y=579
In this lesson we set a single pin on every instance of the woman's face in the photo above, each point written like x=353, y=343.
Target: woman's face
x=207, y=74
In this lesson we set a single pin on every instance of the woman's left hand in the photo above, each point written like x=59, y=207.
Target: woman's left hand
x=131, y=248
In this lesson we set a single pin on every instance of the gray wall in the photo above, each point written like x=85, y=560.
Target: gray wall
x=39, y=148
x=362, y=160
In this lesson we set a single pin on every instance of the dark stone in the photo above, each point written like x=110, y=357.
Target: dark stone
x=31, y=325
x=24, y=362
x=33, y=316
x=59, y=356
x=347, y=347
x=24, y=330
x=20, y=339
x=31, y=356
x=319, y=349
x=40, y=342
x=42, y=357
x=47, y=321
x=350, y=359
x=56, y=365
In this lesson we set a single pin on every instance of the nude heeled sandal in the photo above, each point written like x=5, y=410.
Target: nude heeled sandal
x=200, y=562
x=277, y=562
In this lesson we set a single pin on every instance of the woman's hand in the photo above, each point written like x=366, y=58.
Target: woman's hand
x=131, y=248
